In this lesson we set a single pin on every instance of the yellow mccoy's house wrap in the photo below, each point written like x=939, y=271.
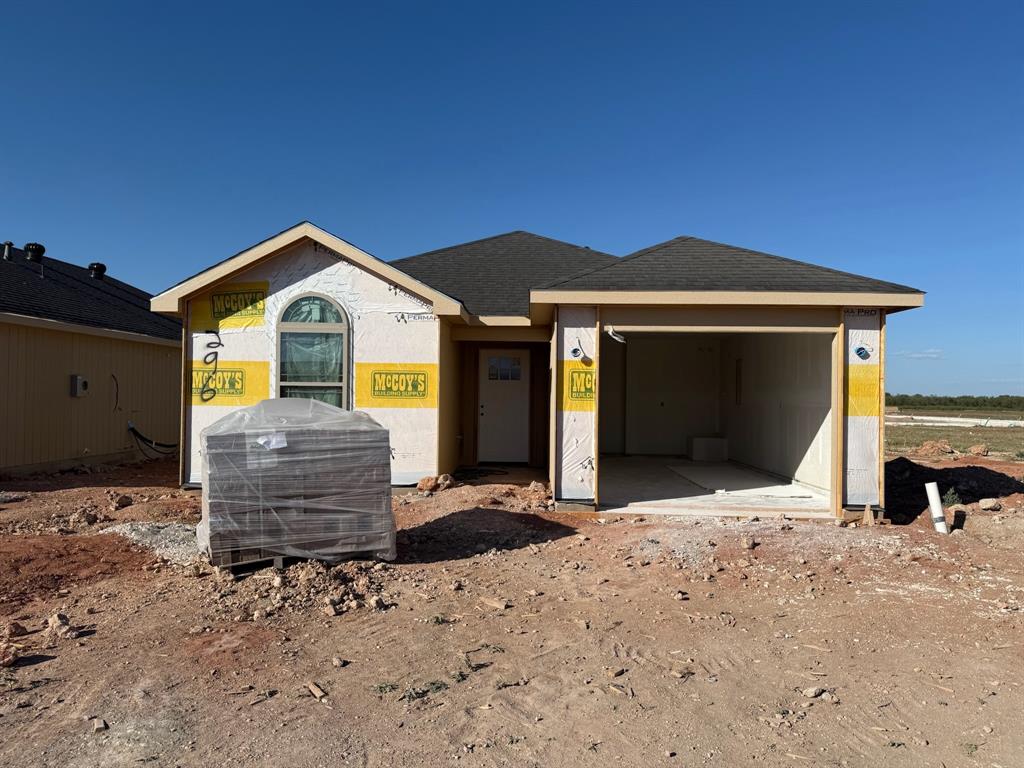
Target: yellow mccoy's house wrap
x=230, y=382
x=863, y=400
x=577, y=390
x=396, y=385
x=232, y=305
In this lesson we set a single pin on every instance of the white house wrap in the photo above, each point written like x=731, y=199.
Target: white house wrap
x=391, y=350
x=576, y=403
x=863, y=404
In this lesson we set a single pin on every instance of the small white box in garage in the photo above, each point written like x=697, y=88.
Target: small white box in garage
x=709, y=449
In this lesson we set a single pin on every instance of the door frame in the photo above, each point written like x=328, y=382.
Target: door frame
x=540, y=390
x=523, y=352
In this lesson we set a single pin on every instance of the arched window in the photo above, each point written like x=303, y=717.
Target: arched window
x=313, y=351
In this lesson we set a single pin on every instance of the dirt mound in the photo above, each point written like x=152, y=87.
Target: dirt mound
x=934, y=448
x=34, y=567
x=303, y=587
x=905, y=480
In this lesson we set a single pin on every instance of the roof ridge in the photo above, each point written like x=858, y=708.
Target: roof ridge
x=460, y=245
x=619, y=260
x=566, y=242
x=735, y=249
x=789, y=260
x=586, y=248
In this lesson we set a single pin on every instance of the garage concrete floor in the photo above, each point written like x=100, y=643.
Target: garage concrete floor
x=670, y=485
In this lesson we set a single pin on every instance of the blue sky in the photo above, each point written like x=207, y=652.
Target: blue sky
x=881, y=138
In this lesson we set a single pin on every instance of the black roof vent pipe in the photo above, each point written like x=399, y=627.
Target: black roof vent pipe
x=8, y=248
x=34, y=252
x=97, y=270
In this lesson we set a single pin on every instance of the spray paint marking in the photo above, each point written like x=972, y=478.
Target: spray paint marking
x=206, y=390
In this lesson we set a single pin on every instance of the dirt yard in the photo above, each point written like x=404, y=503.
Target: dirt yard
x=510, y=635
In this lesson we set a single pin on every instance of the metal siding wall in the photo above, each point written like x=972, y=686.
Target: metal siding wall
x=43, y=423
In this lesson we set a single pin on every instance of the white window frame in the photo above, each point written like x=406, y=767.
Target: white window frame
x=343, y=329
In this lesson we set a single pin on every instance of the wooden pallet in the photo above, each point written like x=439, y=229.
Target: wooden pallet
x=246, y=564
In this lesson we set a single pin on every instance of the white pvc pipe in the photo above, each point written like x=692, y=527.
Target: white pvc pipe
x=935, y=504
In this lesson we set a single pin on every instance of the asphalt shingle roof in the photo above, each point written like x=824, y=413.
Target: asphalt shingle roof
x=692, y=264
x=55, y=290
x=494, y=276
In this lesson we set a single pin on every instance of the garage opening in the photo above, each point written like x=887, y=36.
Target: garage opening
x=716, y=423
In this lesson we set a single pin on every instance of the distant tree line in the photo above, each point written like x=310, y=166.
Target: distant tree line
x=995, y=402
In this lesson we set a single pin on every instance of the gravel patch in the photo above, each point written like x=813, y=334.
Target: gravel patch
x=175, y=542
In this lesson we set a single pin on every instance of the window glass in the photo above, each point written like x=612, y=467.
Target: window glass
x=504, y=368
x=312, y=309
x=312, y=357
x=329, y=395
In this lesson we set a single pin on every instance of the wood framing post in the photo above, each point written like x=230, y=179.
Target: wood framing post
x=597, y=412
x=838, y=414
x=881, y=411
x=552, y=409
x=186, y=395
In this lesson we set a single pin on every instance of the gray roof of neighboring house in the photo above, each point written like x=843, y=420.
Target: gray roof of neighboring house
x=692, y=264
x=55, y=290
x=494, y=276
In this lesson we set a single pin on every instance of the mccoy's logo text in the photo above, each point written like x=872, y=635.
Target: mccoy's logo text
x=399, y=383
x=581, y=385
x=224, y=381
x=238, y=304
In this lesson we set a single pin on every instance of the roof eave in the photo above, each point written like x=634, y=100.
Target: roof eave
x=889, y=300
x=91, y=330
x=172, y=301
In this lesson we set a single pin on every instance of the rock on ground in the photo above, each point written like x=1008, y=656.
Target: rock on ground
x=175, y=542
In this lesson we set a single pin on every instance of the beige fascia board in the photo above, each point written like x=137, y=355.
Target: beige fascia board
x=171, y=300
x=719, y=329
x=541, y=314
x=768, y=298
x=88, y=330
x=499, y=320
x=500, y=333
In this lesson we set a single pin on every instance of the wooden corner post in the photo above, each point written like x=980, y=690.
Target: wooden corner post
x=838, y=414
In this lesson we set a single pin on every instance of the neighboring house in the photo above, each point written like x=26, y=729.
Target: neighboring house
x=81, y=357
x=613, y=374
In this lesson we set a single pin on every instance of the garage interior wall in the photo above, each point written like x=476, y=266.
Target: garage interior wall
x=45, y=427
x=659, y=390
x=781, y=419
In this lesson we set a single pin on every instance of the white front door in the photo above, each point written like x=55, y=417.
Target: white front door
x=503, y=432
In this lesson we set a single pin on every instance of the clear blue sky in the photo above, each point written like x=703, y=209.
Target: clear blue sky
x=885, y=138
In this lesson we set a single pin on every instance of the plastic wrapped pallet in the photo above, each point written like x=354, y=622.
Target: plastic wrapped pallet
x=295, y=478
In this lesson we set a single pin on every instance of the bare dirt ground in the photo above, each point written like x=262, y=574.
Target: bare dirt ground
x=509, y=635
